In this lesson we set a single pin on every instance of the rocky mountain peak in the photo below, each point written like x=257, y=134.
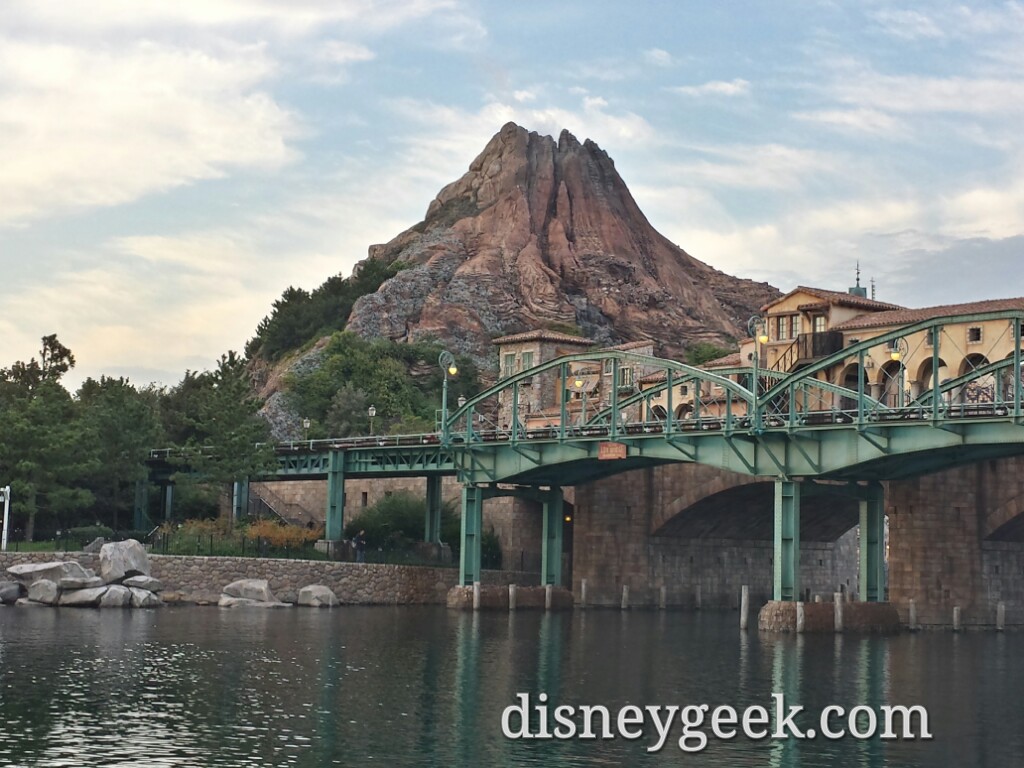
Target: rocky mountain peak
x=539, y=233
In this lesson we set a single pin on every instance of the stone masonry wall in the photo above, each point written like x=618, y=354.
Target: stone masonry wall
x=200, y=579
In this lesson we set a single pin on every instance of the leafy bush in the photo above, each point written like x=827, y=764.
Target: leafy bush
x=282, y=535
x=87, y=533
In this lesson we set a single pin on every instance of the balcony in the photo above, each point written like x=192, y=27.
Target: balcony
x=813, y=346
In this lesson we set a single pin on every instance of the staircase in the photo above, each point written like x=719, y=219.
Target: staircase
x=264, y=502
x=787, y=360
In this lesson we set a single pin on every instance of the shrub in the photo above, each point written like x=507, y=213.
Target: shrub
x=87, y=533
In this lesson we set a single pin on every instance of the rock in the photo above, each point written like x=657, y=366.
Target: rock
x=143, y=598
x=541, y=232
x=119, y=559
x=53, y=571
x=95, y=545
x=82, y=598
x=116, y=596
x=10, y=591
x=69, y=582
x=24, y=602
x=44, y=591
x=251, y=589
x=226, y=601
x=317, y=596
x=144, y=582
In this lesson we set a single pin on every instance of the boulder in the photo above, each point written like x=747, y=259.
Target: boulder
x=69, y=582
x=82, y=598
x=24, y=602
x=53, y=571
x=43, y=591
x=10, y=591
x=95, y=545
x=317, y=596
x=144, y=582
x=116, y=596
x=226, y=601
x=251, y=589
x=119, y=559
x=143, y=598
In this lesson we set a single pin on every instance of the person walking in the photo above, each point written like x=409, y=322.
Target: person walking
x=360, y=542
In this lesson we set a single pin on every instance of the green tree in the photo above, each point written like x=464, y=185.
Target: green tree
x=122, y=424
x=44, y=445
x=703, y=351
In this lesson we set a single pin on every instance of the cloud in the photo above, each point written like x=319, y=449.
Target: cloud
x=737, y=87
x=764, y=166
x=856, y=121
x=908, y=25
x=658, y=57
x=522, y=96
x=88, y=128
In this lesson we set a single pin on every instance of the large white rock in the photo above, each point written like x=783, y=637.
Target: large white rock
x=226, y=601
x=251, y=589
x=69, y=582
x=43, y=591
x=317, y=596
x=144, y=582
x=82, y=598
x=119, y=559
x=116, y=596
x=143, y=598
x=10, y=591
x=54, y=571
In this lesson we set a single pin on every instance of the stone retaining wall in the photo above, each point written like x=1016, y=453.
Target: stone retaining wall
x=779, y=616
x=200, y=579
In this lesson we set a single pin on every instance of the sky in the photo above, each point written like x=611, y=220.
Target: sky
x=168, y=169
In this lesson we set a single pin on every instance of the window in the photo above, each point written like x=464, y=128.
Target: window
x=794, y=326
x=363, y=500
x=527, y=360
x=782, y=328
x=625, y=377
x=974, y=334
x=819, y=324
x=510, y=366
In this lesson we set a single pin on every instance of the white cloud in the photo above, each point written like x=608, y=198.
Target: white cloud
x=871, y=90
x=658, y=57
x=764, y=166
x=737, y=87
x=908, y=25
x=85, y=128
x=522, y=96
x=869, y=121
x=342, y=52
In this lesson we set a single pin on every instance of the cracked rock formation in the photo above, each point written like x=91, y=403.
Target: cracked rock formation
x=541, y=233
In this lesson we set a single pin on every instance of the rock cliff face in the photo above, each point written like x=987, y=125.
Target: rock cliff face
x=546, y=234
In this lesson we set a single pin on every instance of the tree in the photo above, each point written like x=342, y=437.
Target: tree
x=122, y=425
x=44, y=446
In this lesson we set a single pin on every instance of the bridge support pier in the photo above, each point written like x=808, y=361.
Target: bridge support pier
x=335, y=529
x=432, y=525
x=167, y=501
x=786, y=562
x=872, y=545
x=239, y=499
x=140, y=517
x=551, y=547
x=472, y=524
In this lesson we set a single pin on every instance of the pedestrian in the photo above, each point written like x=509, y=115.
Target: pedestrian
x=360, y=542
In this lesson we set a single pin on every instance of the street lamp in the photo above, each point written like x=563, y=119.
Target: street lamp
x=447, y=362
x=758, y=330
x=305, y=427
x=897, y=353
x=578, y=383
x=371, y=412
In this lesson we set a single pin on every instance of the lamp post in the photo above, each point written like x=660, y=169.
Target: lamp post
x=447, y=362
x=305, y=429
x=371, y=412
x=578, y=383
x=897, y=353
x=758, y=330
x=5, y=497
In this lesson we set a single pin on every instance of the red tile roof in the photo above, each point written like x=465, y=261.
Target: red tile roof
x=544, y=335
x=632, y=345
x=836, y=297
x=908, y=316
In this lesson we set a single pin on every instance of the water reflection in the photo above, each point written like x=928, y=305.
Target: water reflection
x=425, y=687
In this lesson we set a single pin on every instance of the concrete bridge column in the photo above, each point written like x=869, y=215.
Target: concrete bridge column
x=472, y=527
x=167, y=501
x=551, y=554
x=786, y=562
x=239, y=498
x=872, y=546
x=335, y=497
x=432, y=527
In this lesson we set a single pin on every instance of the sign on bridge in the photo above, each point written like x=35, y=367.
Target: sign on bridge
x=607, y=451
